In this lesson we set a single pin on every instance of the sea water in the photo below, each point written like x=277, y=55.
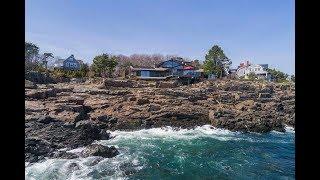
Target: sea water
x=165, y=153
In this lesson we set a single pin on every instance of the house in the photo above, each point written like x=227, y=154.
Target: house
x=69, y=64
x=247, y=68
x=199, y=73
x=175, y=67
x=150, y=73
x=264, y=66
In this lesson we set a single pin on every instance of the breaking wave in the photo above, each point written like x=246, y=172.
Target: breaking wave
x=180, y=153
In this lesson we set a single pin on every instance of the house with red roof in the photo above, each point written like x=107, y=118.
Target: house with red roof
x=174, y=67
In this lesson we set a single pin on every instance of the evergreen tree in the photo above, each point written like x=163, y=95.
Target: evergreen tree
x=277, y=75
x=293, y=78
x=84, y=69
x=196, y=63
x=44, y=59
x=216, y=62
x=104, y=64
x=31, y=51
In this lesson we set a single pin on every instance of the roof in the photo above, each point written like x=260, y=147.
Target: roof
x=60, y=61
x=254, y=65
x=251, y=65
x=149, y=69
x=188, y=67
x=178, y=60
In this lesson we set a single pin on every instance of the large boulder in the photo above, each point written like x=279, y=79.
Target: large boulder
x=118, y=83
x=264, y=95
x=30, y=85
x=77, y=80
x=61, y=136
x=99, y=150
x=183, y=116
x=41, y=93
x=39, y=78
x=154, y=107
x=36, y=149
x=167, y=84
x=64, y=155
x=246, y=122
x=232, y=86
x=267, y=89
x=143, y=101
x=245, y=105
x=60, y=79
x=75, y=99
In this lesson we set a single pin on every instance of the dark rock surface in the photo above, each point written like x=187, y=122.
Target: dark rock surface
x=71, y=115
x=100, y=150
x=42, y=139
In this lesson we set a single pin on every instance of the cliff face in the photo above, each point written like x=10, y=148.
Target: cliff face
x=58, y=110
x=234, y=105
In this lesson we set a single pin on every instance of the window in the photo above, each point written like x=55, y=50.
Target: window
x=145, y=73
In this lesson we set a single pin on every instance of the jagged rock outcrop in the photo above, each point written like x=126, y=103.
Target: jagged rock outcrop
x=75, y=114
x=100, y=150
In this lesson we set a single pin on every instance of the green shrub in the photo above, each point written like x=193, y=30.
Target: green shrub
x=277, y=76
x=81, y=73
x=252, y=76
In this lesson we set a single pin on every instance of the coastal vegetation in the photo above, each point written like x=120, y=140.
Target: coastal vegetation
x=31, y=51
x=293, y=78
x=112, y=66
x=216, y=62
x=252, y=76
x=104, y=65
x=278, y=76
x=81, y=73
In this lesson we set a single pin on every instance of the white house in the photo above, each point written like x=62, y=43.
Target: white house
x=252, y=68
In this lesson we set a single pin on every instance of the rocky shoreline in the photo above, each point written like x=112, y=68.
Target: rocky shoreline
x=75, y=114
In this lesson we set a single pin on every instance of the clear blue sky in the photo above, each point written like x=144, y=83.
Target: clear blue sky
x=261, y=31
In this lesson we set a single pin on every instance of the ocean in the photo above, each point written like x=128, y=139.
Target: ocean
x=165, y=153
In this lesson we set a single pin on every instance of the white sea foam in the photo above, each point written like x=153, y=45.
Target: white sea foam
x=206, y=131
x=169, y=133
x=130, y=143
x=107, y=167
x=289, y=129
x=77, y=150
x=112, y=168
